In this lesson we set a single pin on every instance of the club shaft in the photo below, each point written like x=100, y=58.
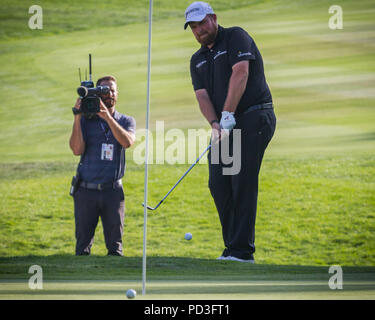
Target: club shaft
x=183, y=176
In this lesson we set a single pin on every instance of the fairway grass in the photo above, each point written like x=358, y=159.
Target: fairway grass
x=309, y=223
x=316, y=203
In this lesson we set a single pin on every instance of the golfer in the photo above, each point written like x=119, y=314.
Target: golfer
x=230, y=86
x=101, y=143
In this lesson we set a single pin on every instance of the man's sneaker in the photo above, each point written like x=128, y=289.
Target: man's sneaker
x=224, y=255
x=231, y=258
x=222, y=258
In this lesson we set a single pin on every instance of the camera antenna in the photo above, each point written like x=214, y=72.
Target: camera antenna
x=79, y=73
x=86, y=74
x=90, y=71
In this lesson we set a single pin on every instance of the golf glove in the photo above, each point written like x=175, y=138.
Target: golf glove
x=227, y=121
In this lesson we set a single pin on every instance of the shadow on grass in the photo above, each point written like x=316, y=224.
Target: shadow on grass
x=70, y=267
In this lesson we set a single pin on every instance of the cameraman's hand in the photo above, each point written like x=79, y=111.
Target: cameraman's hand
x=104, y=112
x=76, y=142
x=78, y=104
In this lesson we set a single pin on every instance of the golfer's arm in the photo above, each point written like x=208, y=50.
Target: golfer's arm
x=237, y=85
x=76, y=142
x=205, y=105
x=125, y=138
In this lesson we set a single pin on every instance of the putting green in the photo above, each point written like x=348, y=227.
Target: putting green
x=188, y=290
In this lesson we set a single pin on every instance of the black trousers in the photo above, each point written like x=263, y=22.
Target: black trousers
x=89, y=205
x=235, y=196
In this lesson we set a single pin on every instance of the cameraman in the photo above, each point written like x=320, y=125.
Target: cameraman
x=101, y=143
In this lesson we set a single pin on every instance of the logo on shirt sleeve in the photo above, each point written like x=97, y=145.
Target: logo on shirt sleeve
x=241, y=54
x=219, y=53
x=198, y=65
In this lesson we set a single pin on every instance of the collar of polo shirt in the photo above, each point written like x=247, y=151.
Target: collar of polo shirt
x=219, y=37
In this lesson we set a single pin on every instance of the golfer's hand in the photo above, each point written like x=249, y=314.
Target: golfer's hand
x=227, y=121
x=103, y=113
x=216, y=133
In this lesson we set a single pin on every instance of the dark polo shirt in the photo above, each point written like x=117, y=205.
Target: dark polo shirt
x=104, y=157
x=211, y=69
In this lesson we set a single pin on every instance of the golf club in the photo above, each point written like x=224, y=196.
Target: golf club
x=179, y=180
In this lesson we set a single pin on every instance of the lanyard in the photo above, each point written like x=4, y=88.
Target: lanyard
x=106, y=132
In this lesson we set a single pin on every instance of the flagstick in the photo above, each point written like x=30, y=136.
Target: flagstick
x=146, y=153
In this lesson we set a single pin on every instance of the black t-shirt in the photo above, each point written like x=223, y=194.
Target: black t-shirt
x=211, y=69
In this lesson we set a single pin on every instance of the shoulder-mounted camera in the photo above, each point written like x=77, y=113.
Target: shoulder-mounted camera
x=90, y=95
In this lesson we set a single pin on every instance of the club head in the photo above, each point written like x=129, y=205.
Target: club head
x=148, y=207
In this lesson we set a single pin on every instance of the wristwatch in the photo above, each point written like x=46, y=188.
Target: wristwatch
x=76, y=111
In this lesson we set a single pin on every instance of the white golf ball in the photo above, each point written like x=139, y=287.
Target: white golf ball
x=131, y=293
x=188, y=236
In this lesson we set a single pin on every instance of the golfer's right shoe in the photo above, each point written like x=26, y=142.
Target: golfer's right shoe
x=224, y=255
x=222, y=258
x=231, y=258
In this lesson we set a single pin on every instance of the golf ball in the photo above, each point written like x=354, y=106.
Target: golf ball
x=131, y=293
x=188, y=236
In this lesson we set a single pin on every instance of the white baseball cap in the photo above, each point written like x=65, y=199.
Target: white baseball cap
x=197, y=11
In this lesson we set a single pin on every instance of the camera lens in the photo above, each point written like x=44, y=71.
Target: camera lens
x=82, y=91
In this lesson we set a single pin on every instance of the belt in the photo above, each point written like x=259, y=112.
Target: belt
x=101, y=186
x=268, y=105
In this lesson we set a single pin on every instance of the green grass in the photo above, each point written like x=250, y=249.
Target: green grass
x=317, y=191
x=188, y=290
x=70, y=16
x=178, y=278
x=297, y=223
